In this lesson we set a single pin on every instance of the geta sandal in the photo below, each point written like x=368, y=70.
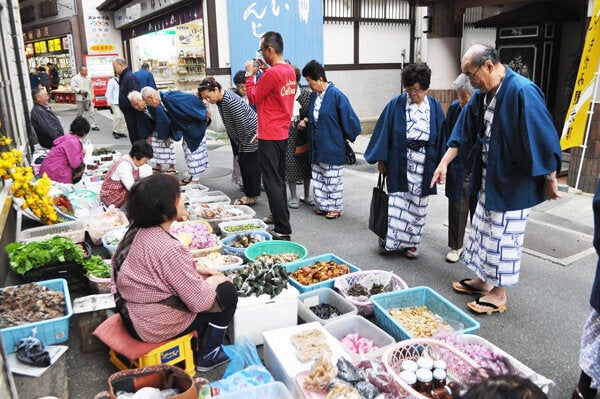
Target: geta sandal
x=171, y=171
x=249, y=201
x=320, y=212
x=185, y=182
x=465, y=288
x=492, y=307
x=334, y=214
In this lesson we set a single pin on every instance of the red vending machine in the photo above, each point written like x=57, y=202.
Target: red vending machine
x=100, y=69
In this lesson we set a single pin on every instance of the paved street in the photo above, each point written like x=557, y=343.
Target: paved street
x=546, y=310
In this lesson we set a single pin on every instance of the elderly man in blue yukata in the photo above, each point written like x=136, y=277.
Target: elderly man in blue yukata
x=145, y=76
x=506, y=136
x=184, y=115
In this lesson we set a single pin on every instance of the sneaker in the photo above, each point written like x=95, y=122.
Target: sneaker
x=454, y=255
x=411, y=253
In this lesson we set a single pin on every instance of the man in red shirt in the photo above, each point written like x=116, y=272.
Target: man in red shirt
x=273, y=96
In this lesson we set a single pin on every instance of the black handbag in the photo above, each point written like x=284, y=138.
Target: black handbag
x=378, y=216
x=350, y=155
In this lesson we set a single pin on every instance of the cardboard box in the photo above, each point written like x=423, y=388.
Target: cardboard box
x=254, y=315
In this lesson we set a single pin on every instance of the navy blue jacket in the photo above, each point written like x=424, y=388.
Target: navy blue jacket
x=187, y=114
x=146, y=78
x=456, y=170
x=595, y=297
x=127, y=83
x=523, y=147
x=388, y=144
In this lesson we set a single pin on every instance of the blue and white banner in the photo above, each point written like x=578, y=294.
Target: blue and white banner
x=300, y=23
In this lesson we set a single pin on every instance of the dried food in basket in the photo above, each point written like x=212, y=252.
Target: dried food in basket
x=218, y=261
x=419, y=321
x=245, y=240
x=321, y=374
x=206, y=211
x=320, y=271
x=309, y=344
x=285, y=257
x=19, y=304
x=362, y=285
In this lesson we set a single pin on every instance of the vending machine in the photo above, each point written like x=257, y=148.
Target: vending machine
x=100, y=69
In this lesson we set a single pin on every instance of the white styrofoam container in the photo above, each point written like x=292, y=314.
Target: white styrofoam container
x=279, y=354
x=341, y=327
x=271, y=390
x=254, y=315
x=324, y=295
x=208, y=197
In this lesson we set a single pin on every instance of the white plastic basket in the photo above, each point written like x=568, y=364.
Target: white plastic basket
x=74, y=230
x=98, y=225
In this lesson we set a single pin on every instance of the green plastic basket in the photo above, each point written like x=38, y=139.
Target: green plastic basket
x=275, y=247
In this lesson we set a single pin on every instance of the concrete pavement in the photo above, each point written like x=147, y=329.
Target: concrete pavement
x=546, y=310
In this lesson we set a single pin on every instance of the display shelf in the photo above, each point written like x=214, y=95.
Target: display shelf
x=193, y=65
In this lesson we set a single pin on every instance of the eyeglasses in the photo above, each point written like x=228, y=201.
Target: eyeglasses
x=412, y=90
x=472, y=75
x=260, y=50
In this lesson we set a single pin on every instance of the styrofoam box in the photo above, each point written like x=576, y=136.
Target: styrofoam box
x=208, y=197
x=280, y=358
x=257, y=225
x=271, y=390
x=323, y=295
x=355, y=324
x=51, y=331
x=74, y=230
x=254, y=315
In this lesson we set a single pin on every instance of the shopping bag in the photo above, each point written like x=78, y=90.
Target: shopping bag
x=88, y=147
x=350, y=155
x=378, y=216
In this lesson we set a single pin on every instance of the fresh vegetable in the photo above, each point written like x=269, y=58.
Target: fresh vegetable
x=96, y=266
x=63, y=204
x=103, y=151
x=258, y=278
x=241, y=227
x=24, y=257
x=325, y=311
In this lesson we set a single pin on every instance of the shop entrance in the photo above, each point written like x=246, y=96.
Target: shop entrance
x=176, y=55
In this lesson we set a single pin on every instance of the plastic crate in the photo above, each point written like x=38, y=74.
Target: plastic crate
x=340, y=327
x=229, y=250
x=74, y=230
x=326, y=296
x=293, y=266
x=256, y=225
x=418, y=296
x=245, y=213
x=271, y=390
x=98, y=225
x=50, y=332
x=459, y=367
x=275, y=247
x=72, y=272
x=364, y=305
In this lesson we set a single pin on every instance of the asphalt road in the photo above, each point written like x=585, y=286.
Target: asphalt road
x=546, y=310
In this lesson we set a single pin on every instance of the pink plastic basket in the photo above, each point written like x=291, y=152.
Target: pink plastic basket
x=365, y=308
x=459, y=366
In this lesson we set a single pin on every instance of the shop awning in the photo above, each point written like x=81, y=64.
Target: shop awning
x=531, y=14
x=112, y=5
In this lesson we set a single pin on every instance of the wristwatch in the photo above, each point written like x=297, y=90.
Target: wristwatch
x=549, y=177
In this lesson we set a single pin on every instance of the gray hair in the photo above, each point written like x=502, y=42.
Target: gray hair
x=121, y=61
x=134, y=95
x=147, y=92
x=463, y=82
x=484, y=53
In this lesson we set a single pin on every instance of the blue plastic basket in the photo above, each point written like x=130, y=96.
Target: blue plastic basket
x=293, y=266
x=229, y=250
x=418, y=296
x=51, y=331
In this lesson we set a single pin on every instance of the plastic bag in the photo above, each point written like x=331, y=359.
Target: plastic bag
x=249, y=377
x=242, y=354
x=31, y=351
x=88, y=147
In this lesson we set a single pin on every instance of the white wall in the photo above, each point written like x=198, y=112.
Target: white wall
x=473, y=36
x=444, y=61
x=338, y=43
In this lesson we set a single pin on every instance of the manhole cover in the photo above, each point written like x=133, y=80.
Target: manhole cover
x=211, y=173
x=554, y=242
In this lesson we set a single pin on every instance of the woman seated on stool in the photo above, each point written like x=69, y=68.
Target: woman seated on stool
x=123, y=173
x=64, y=162
x=161, y=294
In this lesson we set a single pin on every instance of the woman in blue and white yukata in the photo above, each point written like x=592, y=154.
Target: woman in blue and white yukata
x=331, y=121
x=407, y=144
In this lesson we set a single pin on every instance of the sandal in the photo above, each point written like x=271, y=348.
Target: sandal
x=185, y=182
x=249, y=201
x=268, y=219
x=320, y=212
x=293, y=204
x=171, y=171
x=309, y=202
x=334, y=214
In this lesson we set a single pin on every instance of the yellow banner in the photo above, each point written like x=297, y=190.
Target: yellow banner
x=576, y=121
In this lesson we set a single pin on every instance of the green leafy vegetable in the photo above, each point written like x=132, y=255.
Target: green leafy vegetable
x=96, y=266
x=24, y=257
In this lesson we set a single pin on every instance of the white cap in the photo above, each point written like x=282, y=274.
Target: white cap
x=425, y=363
x=439, y=374
x=409, y=365
x=409, y=377
x=439, y=364
x=424, y=375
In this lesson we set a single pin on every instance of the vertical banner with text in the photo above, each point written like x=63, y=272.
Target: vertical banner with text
x=575, y=125
x=300, y=23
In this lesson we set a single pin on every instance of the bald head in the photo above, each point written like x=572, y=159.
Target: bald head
x=482, y=67
x=151, y=96
x=119, y=65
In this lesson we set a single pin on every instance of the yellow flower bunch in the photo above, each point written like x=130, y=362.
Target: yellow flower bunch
x=34, y=192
